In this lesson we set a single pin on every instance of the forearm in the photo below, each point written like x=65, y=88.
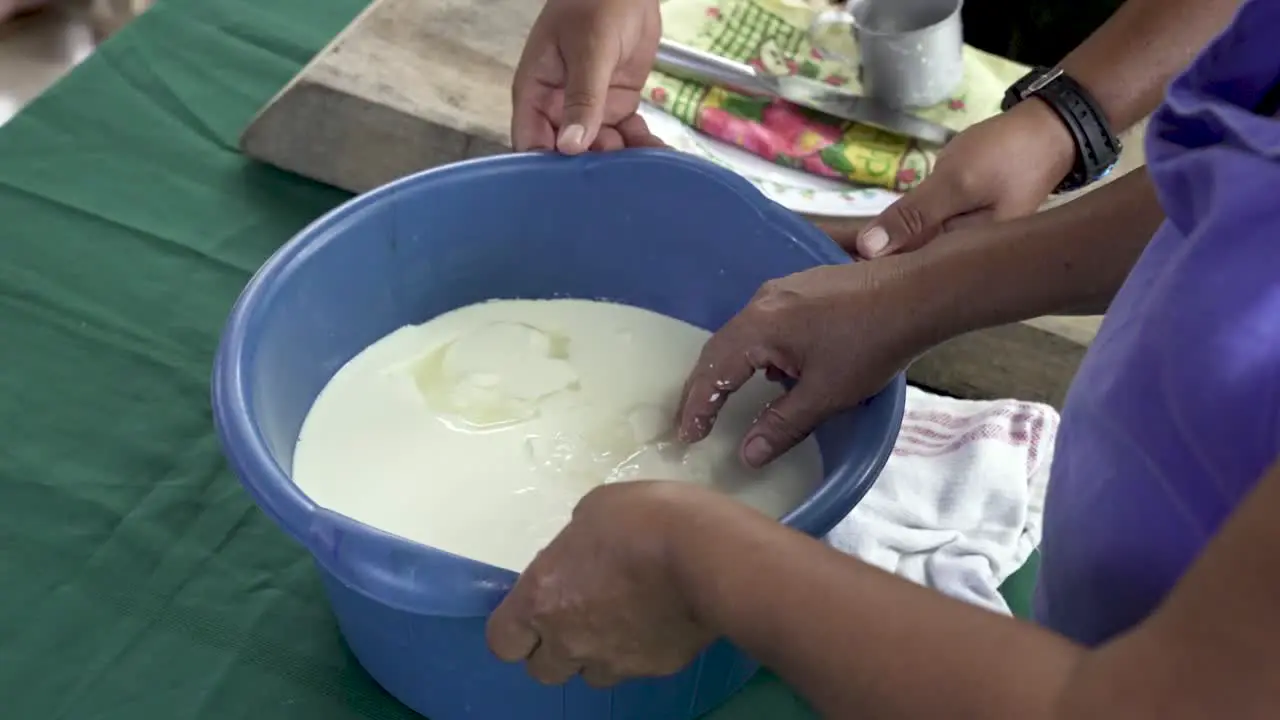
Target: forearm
x=1067, y=260
x=1127, y=62
x=858, y=642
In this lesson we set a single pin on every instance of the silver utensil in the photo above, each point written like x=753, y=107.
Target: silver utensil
x=692, y=64
x=910, y=52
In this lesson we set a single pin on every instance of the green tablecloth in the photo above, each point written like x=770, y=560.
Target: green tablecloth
x=137, y=581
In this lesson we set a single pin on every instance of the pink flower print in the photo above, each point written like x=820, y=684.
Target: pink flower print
x=836, y=80
x=783, y=118
x=759, y=140
x=814, y=165
x=956, y=104
x=658, y=95
x=724, y=125
x=713, y=12
x=749, y=136
x=799, y=131
x=813, y=53
x=715, y=122
x=792, y=67
x=812, y=140
x=907, y=176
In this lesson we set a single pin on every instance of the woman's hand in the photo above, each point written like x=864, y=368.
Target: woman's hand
x=603, y=600
x=999, y=169
x=579, y=80
x=841, y=332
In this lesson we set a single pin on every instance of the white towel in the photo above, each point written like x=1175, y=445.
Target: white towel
x=960, y=504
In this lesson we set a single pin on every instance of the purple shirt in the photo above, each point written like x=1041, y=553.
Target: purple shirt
x=1175, y=413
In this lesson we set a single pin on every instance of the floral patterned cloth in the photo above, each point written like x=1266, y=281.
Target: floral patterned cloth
x=773, y=35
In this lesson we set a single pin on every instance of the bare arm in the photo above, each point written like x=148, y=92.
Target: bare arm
x=1128, y=61
x=858, y=642
x=1071, y=259
x=843, y=331
x=1125, y=64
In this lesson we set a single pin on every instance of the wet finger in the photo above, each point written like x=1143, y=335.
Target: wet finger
x=727, y=362
x=785, y=422
x=773, y=374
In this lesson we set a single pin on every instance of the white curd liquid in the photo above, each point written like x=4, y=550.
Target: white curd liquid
x=478, y=431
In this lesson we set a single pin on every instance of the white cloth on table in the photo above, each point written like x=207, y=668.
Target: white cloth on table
x=960, y=505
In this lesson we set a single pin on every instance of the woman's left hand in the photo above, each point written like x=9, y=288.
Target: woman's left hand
x=603, y=600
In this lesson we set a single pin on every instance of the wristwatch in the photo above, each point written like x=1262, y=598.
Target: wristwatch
x=1097, y=148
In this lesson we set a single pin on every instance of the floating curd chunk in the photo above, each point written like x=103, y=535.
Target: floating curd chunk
x=478, y=432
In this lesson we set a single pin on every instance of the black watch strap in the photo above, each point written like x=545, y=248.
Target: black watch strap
x=1097, y=148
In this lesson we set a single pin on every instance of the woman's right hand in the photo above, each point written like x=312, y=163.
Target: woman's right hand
x=840, y=332
x=579, y=80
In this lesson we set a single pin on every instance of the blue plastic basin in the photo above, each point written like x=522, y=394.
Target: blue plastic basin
x=653, y=229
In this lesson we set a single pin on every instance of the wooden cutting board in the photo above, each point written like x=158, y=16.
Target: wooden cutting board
x=408, y=85
x=411, y=85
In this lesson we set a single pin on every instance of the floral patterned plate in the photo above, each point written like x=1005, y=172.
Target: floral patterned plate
x=795, y=190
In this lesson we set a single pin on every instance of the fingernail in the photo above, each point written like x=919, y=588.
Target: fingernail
x=873, y=240
x=757, y=452
x=571, y=138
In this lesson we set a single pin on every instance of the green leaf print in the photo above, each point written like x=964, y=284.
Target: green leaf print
x=833, y=157
x=809, y=69
x=745, y=107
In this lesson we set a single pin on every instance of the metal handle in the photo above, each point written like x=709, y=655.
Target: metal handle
x=689, y=63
